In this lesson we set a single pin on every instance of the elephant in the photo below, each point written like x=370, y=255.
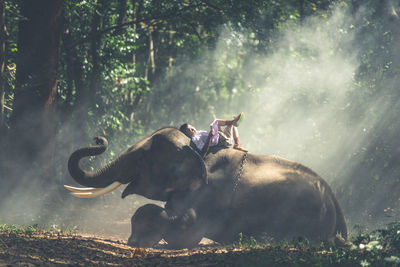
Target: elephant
x=218, y=195
x=151, y=223
x=147, y=234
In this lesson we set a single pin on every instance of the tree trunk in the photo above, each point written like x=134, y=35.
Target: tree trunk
x=33, y=122
x=65, y=108
x=2, y=63
x=122, y=4
x=137, y=97
x=94, y=47
x=393, y=21
x=2, y=91
x=301, y=10
x=150, y=76
x=86, y=91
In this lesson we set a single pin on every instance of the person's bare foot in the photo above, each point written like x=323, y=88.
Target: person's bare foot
x=240, y=147
x=238, y=119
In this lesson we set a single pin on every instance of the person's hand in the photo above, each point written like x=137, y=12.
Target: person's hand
x=212, y=131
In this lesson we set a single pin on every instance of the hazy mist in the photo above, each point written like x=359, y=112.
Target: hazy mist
x=296, y=103
x=299, y=99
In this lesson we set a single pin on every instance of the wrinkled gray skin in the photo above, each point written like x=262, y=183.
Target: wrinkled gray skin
x=274, y=196
x=151, y=223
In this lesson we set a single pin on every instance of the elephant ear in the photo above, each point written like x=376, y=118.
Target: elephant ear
x=199, y=159
x=167, y=165
x=176, y=163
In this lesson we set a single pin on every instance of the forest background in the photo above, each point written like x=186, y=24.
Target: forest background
x=318, y=81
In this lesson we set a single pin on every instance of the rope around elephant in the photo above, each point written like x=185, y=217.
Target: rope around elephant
x=239, y=173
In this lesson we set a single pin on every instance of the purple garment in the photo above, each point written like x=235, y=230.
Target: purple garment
x=200, y=138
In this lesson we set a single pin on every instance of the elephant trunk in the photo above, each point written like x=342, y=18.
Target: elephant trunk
x=101, y=178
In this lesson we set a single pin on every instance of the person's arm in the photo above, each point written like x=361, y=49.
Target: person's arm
x=208, y=142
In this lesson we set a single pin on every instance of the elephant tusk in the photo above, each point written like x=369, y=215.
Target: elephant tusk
x=82, y=190
x=97, y=193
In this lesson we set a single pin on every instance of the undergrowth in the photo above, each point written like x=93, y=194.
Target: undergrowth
x=378, y=248
x=17, y=229
x=36, y=229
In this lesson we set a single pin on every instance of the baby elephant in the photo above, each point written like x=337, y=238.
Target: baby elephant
x=151, y=223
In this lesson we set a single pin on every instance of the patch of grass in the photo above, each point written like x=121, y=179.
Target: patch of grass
x=378, y=248
x=14, y=229
x=17, y=229
x=246, y=242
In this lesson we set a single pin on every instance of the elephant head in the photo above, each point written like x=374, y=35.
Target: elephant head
x=151, y=223
x=145, y=234
x=155, y=167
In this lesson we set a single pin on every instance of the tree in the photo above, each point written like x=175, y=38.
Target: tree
x=2, y=64
x=33, y=121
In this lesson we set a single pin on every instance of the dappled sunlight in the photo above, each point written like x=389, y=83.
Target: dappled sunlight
x=317, y=81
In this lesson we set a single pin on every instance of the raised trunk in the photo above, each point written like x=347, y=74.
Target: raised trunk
x=100, y=178
x=121, y=169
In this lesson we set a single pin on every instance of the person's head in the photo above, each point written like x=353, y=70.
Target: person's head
x=188, y=130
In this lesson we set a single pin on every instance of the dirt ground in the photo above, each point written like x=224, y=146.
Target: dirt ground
x=77, y=250
x=61, y=249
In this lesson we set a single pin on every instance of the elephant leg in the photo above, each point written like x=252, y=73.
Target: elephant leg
x=148, y=226
x=184, y=231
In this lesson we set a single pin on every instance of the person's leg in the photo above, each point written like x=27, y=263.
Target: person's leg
x=237, y=144
x=235, y=135
x=225, y=136
x=235, y=122
x=224, y=122
x=228, y=131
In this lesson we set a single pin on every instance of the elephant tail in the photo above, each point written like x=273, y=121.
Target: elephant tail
x=341, y=225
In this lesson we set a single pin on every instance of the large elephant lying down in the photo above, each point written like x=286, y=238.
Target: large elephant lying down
x=226, y=193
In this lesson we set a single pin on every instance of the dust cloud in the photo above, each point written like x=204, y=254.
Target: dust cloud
x=295, y=97
x=301, y=100
x=49, y=206
x=298, y=104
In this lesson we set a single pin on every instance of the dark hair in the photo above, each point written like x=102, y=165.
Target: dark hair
x=183, y=129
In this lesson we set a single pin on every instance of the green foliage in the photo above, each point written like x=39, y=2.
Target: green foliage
x=378, y=248
x=135, y=90
x=186, y=61
x=14, y=229
x=390, y=237
x=246, y=242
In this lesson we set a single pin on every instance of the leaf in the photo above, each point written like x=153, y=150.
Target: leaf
x=139, y=252
x=393, y=259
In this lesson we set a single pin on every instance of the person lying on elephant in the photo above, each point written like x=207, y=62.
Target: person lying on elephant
x=203, y=139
